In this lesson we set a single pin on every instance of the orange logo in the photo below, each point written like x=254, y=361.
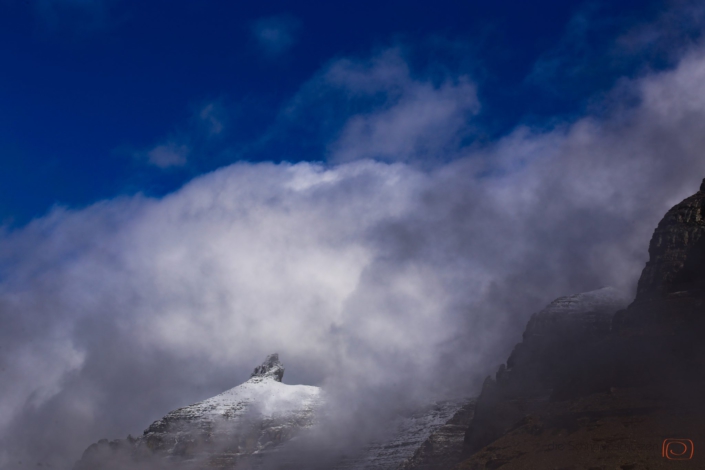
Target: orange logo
x=677, y=449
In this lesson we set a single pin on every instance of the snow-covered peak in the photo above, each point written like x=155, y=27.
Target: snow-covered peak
x=247, y=419
x=253, y=418
x=270, y=368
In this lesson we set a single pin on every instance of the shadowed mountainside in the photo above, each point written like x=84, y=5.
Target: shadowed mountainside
x=609, y=397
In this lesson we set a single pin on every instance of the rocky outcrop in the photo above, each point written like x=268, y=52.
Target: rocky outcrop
x=555, y=338
x=615, y=395
x=589, y=313
x=671, y=289
x=444, y=447
x=677, y=250
x=270, y=368
x=552, y=340
x=239, y=426
x=413, y=432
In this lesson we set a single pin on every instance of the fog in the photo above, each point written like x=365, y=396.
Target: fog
x=385, y=279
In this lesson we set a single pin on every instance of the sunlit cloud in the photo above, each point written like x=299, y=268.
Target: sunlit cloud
x=386, y=282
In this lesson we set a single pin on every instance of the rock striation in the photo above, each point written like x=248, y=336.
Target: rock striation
x=429, y=424
x=616, y=392
x=537, y=364
x=578, y=314
x=238, y=427
x=671, y=288
x=444, y=447
x=677, y=250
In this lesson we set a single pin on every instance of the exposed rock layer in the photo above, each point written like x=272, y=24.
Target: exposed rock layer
x=677, y=250
x=239, y=426
x=613, y=400
x=444, y=447
x=411, y=433
x=546, y=355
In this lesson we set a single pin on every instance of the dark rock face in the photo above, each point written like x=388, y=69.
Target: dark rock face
x=589, y=313
x=271, y=367
x=426, y=425
x=671, y=291
x=677, y=250
x=444, y=447
x=547, y=353
x=613, y=395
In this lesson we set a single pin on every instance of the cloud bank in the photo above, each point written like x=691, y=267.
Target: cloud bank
x=385, y=281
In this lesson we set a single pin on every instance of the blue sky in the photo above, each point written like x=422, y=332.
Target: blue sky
x=90, y=87
x=378, y=191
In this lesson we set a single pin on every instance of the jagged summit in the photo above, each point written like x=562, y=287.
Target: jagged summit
x=562, y=394
x=676, y=250
x=253, y=418
x=270, y=368
x=671, y=288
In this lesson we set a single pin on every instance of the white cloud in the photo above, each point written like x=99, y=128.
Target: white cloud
x=424, y=124
x=168, y=155
x=400, y=117
x=384, y=282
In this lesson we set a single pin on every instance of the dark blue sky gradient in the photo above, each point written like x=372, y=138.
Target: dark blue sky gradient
x=85, y=85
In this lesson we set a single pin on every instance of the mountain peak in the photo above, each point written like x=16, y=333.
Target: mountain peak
x=270, y=368
x=676, y=251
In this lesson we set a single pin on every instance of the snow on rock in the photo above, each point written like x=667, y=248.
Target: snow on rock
x=401, y=444
x=246, y=427
x=270, y=368
x=251, y=419
x=263, y=396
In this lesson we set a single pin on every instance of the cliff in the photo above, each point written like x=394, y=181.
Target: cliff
x=428, y=426
x=553, y=341
x=444, y=447
x=608, y=395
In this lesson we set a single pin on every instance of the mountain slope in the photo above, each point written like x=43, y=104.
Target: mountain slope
x=617, y=397
x=242, y=423
x=400, y=446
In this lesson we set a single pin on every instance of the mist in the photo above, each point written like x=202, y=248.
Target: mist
x=385, y=281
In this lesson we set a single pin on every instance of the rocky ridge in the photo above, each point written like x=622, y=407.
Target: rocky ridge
x=444, y=447
x=535, y=366
x=240, y=425
x=618, y=390
x=427, y=425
